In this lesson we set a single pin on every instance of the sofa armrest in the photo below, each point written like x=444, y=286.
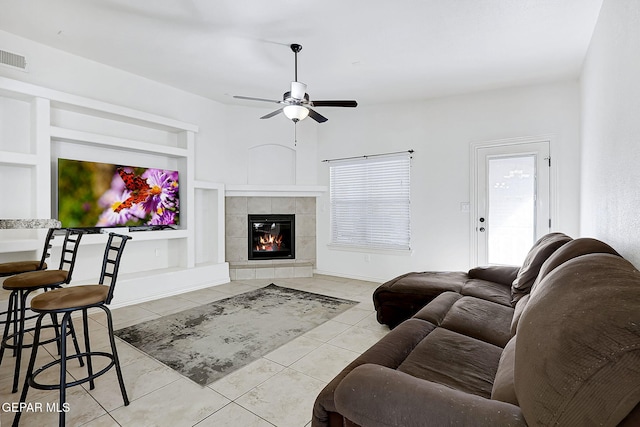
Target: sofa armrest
x=376, y=396
x=503, y=274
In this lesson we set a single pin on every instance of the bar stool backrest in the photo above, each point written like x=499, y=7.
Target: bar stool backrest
x=46, y=251
x=70, y=247
x=111, y=262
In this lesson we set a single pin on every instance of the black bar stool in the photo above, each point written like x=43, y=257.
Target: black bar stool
x=66, y=301
x=16, y=267
x=23, y=284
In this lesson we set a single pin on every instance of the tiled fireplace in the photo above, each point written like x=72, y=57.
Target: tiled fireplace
x=271, y=236
x=268, y=254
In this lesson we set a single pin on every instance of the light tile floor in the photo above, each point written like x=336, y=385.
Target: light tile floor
x=277, y=390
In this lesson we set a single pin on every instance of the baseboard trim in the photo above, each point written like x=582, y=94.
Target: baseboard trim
x=350, y=276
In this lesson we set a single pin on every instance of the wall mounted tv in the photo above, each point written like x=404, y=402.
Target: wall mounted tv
x=96, y=195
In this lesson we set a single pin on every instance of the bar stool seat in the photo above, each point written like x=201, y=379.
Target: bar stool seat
x=17, y=267
x=35, y=279
x=71, y=298
x=66, y=301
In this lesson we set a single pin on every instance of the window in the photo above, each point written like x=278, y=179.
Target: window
x=370, y=201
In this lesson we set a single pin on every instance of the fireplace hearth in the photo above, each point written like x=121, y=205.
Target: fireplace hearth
x=271, y=236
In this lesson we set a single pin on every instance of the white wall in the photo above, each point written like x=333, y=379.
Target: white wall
x=55, y=69
x=440, y=131
x=610, y=208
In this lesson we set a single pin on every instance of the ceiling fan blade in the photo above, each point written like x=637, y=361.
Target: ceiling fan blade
x=316, y=116
x=273, y=113
x=334, y=103
x=256, y=99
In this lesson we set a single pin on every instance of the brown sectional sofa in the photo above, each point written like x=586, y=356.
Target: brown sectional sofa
x=568, y=353
x=400, y=298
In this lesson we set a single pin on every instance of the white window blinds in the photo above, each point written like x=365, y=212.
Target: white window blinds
x=370, y=201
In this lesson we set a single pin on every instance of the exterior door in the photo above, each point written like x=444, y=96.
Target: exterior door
x=511, y=208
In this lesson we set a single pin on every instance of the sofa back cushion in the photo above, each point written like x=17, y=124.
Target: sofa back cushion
x=538, y=254
x=503, y=385
x=570, y=250
x=517, y=313
x=578, y=344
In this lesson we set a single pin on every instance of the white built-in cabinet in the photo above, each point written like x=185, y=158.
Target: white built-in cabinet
x=40, y=125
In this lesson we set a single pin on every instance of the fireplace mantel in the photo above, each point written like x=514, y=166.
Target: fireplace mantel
x=248, y=190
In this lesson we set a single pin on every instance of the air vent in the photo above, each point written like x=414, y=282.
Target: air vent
x=13, y=60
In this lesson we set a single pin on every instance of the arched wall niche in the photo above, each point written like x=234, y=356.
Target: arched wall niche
x=271, y=164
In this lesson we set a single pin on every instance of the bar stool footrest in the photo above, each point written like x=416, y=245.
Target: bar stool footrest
x=30, y=345
x=39, y=386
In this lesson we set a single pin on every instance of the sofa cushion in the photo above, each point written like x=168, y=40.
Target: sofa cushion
x=517, y=313
x=490, y=291
x=470, y=316
x=537, y=255
x=400, y=298
x=578, y=344
x=495, y=273
x=438, y=308
x=375, y=396
x=572, y=249
x=389, y=352
x=503, y=385
x=480, y=319
x=455, y=360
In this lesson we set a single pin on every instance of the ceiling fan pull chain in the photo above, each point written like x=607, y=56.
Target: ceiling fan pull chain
x=295, y=134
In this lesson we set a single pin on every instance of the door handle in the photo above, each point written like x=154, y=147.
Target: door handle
x=481, y=229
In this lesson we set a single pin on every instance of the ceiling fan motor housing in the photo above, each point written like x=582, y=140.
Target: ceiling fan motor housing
x=299, y=90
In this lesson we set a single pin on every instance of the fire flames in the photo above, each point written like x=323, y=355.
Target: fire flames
x=269, y=242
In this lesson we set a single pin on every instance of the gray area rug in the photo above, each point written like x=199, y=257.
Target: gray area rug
x=210, y=341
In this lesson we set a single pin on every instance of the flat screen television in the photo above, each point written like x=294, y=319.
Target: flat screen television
x=98, y=195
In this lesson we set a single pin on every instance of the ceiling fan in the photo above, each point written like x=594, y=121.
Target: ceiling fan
x=296, y=102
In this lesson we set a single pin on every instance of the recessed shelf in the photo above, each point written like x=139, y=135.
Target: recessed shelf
x=136, y=236
x=93, y=139
x=206, y=185
x=22, y=90
x=18, y=159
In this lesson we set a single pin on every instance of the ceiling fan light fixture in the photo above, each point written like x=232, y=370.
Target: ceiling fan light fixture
x=295, y=112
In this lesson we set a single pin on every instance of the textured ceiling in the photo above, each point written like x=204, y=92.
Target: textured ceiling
x=373, y=51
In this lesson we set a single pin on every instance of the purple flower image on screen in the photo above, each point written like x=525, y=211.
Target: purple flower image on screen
x=110, y=217
x=152, y=196
x=164, y=187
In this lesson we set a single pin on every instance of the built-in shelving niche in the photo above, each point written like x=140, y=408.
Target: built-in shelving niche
x=40, y=125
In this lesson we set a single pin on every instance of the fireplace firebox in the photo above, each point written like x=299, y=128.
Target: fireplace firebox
x=271, y=237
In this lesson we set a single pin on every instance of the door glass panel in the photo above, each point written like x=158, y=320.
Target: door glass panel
x=511, y=208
